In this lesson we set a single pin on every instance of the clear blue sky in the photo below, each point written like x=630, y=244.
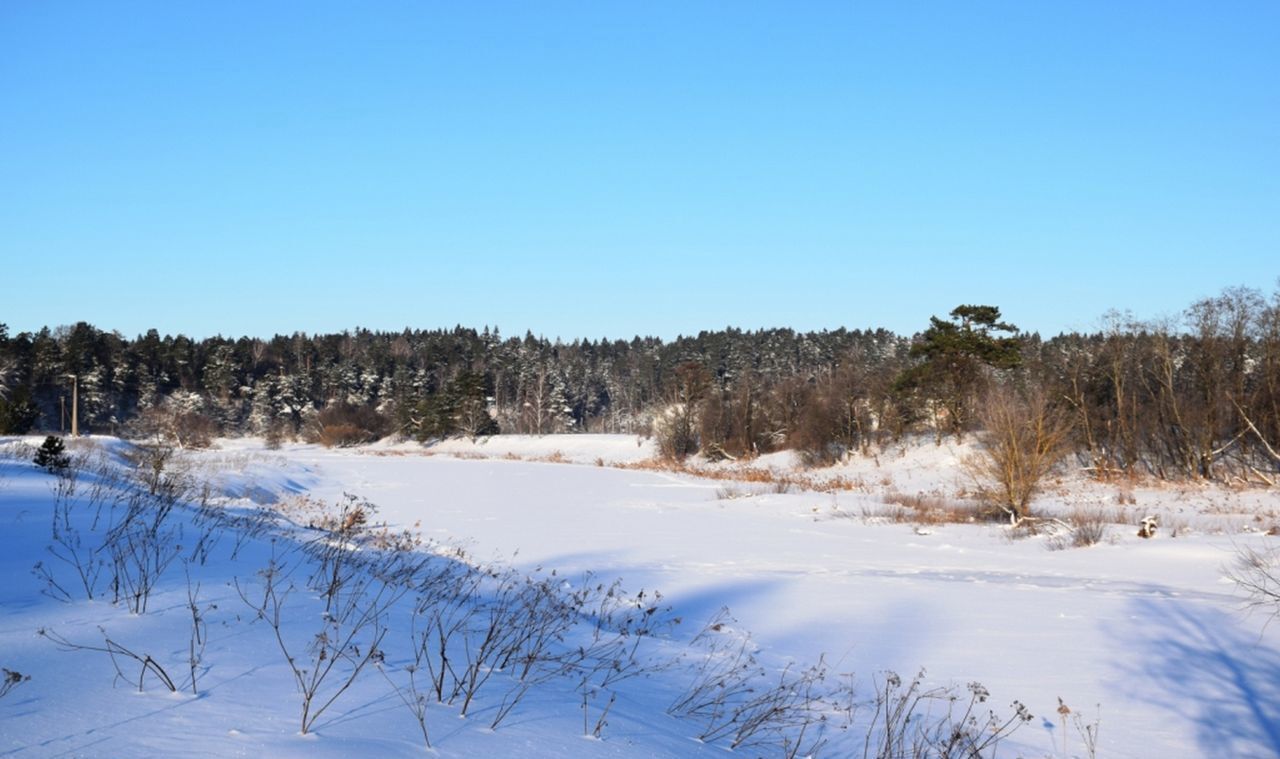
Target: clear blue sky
x=613, y=168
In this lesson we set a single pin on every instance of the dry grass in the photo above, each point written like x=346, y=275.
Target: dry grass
x=1176, y=525
x=1087, y=528
x=927, y=509
x=17, y=451
x=840, y=482
x=778, y=482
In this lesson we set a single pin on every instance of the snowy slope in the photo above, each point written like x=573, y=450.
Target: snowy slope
x=1149, y=630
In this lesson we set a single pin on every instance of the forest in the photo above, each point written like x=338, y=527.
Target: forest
x=1194, y=396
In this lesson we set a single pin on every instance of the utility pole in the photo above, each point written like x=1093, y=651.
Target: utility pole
x=62, y=419
x=75, y=406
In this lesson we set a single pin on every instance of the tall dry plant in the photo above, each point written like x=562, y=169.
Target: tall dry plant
x=1023, y=437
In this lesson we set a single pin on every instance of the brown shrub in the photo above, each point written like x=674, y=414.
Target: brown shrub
x=1023, y=439
x=341, y=425
x=341, y=435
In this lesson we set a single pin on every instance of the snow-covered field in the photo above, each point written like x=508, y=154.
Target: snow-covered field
x=1147, y=633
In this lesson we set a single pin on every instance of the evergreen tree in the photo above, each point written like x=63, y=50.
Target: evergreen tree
x=51, y=455
x=957, y=357
x=17, y=413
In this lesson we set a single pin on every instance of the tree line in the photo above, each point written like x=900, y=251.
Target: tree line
x=1197, y=395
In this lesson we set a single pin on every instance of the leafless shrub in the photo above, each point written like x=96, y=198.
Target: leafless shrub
x=536, y=654
x=199, y=633
x=1084, y=528
x=342, y=425
x=675, y=433
x=150, y=461
x=412, y=693
x=347, y=641
x=620, y=624
x=911, y=721
x=242, y=526
x=1023, y=439
x=347, y=517
x=70, y=548
x=438, y=617
x=174, y=424
x=140, y=547
x=441, y=623
x=1088, y=528
x=523, y=624
x=360, y=574
x=448, y=607
x=118, y=654
x=115, y=533
x=482, y=628
x=477, y=622
x=722, y=679
x=734, y=699
x=496, y=633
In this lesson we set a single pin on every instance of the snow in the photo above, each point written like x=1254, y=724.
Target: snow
x=580, y=449
x=1148, y=629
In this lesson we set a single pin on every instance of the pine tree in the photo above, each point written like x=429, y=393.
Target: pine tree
x=51, y=455
x=958, y=356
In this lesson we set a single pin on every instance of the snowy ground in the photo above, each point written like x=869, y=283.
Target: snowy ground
x=1148, y=630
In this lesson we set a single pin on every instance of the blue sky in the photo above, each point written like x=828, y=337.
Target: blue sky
x=610, y=168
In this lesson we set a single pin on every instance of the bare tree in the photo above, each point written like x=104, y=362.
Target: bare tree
x=677, y=428
x=1024, y=437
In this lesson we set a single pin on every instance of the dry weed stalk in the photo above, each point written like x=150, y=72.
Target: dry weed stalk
x=11, y=680
x=116, y=652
